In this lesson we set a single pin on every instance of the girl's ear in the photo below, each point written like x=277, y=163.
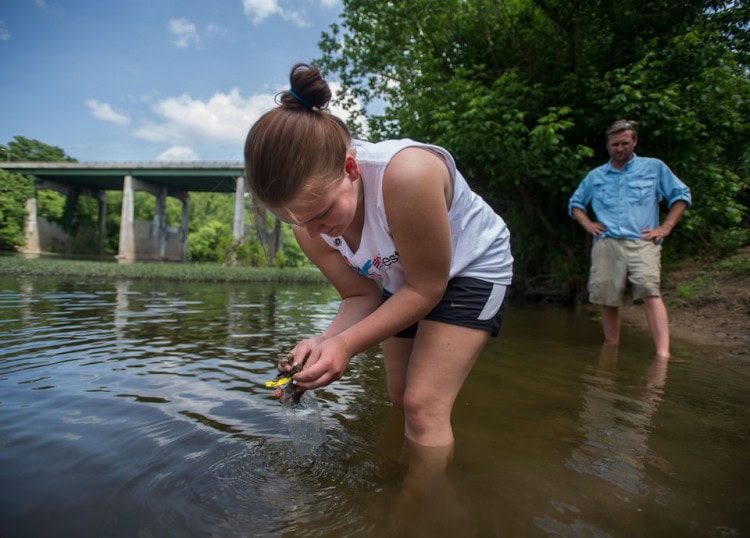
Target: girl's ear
x=352, y=167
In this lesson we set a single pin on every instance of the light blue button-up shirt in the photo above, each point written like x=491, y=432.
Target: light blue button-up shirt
x=627, y=201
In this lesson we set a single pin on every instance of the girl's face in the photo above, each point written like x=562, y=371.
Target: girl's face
x=326, y=210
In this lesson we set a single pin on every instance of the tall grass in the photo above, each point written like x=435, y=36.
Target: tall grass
x=50, y=267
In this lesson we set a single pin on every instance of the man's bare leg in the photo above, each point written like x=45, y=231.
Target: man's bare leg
x=658, y=324
x=611, y=324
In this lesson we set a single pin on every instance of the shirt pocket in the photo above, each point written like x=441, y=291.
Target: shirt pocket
x=641, y=191
x=604, y=195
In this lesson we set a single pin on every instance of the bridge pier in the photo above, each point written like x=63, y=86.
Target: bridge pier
x=158, y=236
x=238, y=228
x=126, y=251
x=33, y=242
x=31, y=230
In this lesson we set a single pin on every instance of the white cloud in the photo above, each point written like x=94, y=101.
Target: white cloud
x=178, y=153
x=185, y=32
x=4, y=34
x=259, y=10
x=225, y=117
x=105, y=112
x=328, y=3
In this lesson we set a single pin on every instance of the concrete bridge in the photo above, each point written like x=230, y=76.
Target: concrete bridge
x=162, y=179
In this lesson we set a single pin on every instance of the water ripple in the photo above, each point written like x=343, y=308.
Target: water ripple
x=148, y=407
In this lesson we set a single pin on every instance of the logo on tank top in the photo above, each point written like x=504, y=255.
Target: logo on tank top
x=373, y=268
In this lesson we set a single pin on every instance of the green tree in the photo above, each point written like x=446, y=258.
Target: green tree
x=210, y=241
x=210, y=226
x=28, y=149
x=521, y=91
x=16, y=188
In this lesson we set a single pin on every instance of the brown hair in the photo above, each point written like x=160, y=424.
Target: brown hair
x=622, y=125
x=297, y=142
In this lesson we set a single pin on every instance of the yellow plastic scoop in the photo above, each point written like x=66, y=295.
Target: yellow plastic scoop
x=280, y=382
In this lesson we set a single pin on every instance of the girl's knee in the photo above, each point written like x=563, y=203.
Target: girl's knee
x=427, y=424
x=418, y=414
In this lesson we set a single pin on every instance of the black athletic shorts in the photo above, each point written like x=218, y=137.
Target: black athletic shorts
x=467, y=302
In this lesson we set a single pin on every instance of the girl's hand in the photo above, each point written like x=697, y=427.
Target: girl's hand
x=326, y=363
x=295, y=359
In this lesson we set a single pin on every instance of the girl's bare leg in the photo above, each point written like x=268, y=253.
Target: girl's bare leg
x=426, y=374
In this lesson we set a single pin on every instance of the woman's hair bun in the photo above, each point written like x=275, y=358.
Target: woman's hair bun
x=307, y=89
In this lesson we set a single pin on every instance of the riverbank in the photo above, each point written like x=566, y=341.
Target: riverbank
x=50, y=266
x=708, y=303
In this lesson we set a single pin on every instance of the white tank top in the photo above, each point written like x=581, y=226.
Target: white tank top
x=480, y=239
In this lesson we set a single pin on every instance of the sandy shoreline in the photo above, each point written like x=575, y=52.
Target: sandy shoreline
x=720, y=318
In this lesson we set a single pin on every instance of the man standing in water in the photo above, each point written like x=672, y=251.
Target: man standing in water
x=624, y=195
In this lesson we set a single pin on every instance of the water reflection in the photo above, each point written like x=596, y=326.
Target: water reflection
x=122, y=305
x=616, y=422
x=134, y=409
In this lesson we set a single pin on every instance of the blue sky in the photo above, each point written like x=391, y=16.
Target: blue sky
x=140, y=80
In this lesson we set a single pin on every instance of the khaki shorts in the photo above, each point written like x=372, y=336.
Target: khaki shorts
x=615, y=261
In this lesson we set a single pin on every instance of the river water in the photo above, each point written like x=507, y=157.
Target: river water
x=134, y=408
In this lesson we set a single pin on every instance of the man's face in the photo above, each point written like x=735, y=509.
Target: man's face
x=620, y=147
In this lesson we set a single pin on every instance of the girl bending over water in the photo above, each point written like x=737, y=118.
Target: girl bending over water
x=421, y=262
